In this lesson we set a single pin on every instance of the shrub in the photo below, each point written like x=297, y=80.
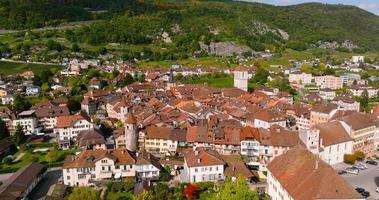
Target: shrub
x=34, y=159
x=349, y=159
x=359, y=155
x=8, y=160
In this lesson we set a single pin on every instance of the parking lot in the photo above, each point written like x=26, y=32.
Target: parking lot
x=367, y=179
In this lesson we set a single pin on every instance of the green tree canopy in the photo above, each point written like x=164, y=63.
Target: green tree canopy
x=84, y=193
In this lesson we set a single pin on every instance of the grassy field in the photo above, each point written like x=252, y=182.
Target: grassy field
x=12, y=68
x=218, y=82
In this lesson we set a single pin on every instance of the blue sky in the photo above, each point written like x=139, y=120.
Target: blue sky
x=370, y=5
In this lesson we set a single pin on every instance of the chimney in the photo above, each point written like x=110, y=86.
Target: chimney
x=198, y=160
x=196, y=152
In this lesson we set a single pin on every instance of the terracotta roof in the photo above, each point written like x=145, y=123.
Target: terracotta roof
x=52, y=111
x=153, y=132
x=67, y=121
x=90, y=137
x=333, y=133
x=145, y=158
x=202, y=158
x=130, y=119
x=359, y=121
x=88, y=158
x=269, y=116
x=305, y=176
x=17, y=185
x=235, y=167
x=324, y=108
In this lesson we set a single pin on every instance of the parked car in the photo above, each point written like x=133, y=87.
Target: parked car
x=377, y=189
x=352, y=171
x=372, y=162
x=341, y=172
x=365, y=194
x=360, y=167
x=360, y=190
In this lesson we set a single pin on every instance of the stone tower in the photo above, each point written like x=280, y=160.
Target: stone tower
x=241, y=77
x=311, y=139
x=131, y=135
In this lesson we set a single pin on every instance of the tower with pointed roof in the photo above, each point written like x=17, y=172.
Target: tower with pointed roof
x=241, y=77
x=131, y=135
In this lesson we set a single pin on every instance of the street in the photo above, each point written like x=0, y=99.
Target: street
x=367, y=179
x=51, y=177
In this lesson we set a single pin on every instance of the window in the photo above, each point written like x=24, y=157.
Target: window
x=81, y=176
x=68, y=177
x=104, y=161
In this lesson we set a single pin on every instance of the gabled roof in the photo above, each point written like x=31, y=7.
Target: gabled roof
x=68, y=120
x=305, y=177
x=333, y=133
x=88, y=158
x=202, y=157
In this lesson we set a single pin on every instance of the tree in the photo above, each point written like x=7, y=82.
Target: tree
x=165, y=174
x=20, y=104
x=75, y=47
x=191, y=191
x=52, y=156
x=19, y=136
x=364, y=100
x=3, y=129
x=84, y=193
x=237, y=190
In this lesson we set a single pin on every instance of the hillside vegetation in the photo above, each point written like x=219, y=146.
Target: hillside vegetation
x=178, y=29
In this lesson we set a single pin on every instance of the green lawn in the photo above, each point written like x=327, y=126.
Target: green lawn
x=218, y=82
x=11, y=68
x=28, y=157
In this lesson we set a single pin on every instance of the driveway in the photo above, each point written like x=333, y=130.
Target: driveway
x=367, y=179
x=51, y=178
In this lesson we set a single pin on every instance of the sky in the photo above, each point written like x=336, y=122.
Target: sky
x=369, y=5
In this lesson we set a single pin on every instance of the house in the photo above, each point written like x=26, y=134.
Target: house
x=118, y=108
x=267, y=118
x=28, y=121
x=362, y=128
x=322, y=113
x=202, y=165
x=300, y=78
x=312, y=98
x=346, y=102
x=147, y=166
x=357, y=90
x=91, y=139
x=7, y=116
x=328, y=81
x=68, y=127
x=89, y=105
x=32, y=90
x=162, y=140
x=21, y=183
x=301, y=175
x=327, y=94
x=7, y=100
x=96, y=165
x=330, y=141
x=47, y=115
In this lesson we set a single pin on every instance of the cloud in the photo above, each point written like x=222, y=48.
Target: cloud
x=369, y=6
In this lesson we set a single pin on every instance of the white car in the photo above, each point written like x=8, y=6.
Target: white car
x=377, y=189
x=352, y=171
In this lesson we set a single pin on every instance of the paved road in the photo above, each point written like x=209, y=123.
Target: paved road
x=4, y=177
x=52, y=176
x=367, y=179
